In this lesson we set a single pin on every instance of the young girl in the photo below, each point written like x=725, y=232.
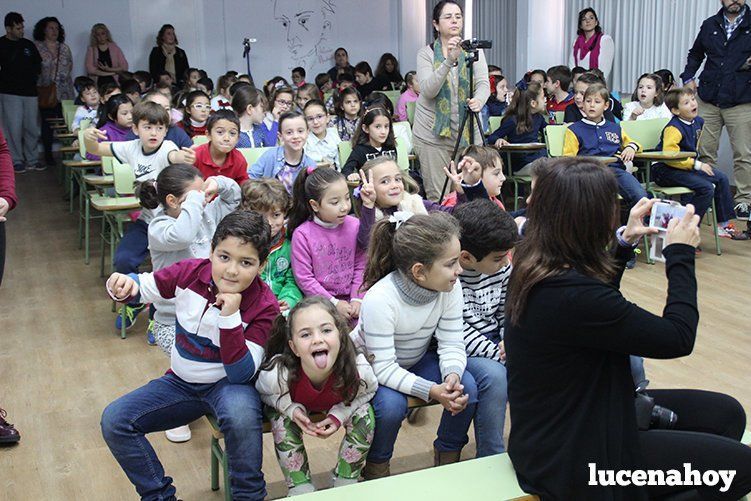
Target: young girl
x=197, y=109
x=648, y=100
x=347, y=112
x=326, y=259
x=219, y=157
x=668, y=80
x=182, y=229
x=313, y=367
x=116, y=120
x=223, y=99
x=285, y=162
x=523, y=122
x=374, y=138
x=192, y=75
x=409, y=95
x=249, y=105
x=323, y=141
x=414, y=296
x=280, y=102
x=305, y=93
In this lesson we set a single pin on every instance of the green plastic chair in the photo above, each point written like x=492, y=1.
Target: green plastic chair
x=554, y=135
x=253, y=154
x=411, y=112
x=393, y=96
x=345, y=149
x=559, y=117
x=402, y=155
x=493, y=123
x=645, y=132
x=199, y=140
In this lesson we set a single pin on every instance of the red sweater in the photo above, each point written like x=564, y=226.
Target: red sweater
x=234, y=167
x=303, y=392
x=7, y=176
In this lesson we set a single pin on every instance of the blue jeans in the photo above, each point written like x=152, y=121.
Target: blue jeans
x=628, y=186
x=133, y=247
x=169, y=402
x=704, y=186
x=490, y=414
x=390, y=408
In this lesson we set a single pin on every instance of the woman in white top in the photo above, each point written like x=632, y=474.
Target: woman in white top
x=592, y=48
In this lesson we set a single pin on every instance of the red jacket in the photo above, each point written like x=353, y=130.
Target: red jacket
x=7, y=176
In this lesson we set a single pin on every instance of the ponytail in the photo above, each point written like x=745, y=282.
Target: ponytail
x=147, y=194
x=380, y=253
x=173, y=180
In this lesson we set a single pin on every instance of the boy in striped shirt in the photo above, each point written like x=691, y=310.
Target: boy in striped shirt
x=488, y=235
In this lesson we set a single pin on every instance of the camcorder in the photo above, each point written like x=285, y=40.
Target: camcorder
x=472, y=44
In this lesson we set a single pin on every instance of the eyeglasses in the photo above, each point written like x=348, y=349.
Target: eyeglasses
x=315, y=118
x=284, y=102
x=200, y=106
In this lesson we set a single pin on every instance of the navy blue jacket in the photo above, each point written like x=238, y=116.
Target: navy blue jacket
x=721, y=82
x=507, y=129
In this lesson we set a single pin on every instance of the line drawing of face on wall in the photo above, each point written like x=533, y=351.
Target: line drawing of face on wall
x=307, y=24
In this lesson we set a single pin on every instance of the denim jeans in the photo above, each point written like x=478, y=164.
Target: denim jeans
x=628, y=186
x=169, y=402
x=490, y=414
x=133, y=247
x=704, y=186
x=390, y=408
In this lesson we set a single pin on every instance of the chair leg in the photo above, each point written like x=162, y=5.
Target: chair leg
x=214, y=465
x=227, y=485
x=86, y=223
x=715, y=230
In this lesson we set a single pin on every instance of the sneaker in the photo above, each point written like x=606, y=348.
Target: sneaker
x=39, y=166
x=631, y=263
x=730, y=231
x=131, y=312
x=742, y=211
x=179, y=434
x=150, y=334
x=19, y=169
x=8, y=434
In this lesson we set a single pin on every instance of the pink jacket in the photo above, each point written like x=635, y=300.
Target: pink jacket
x=117, y=56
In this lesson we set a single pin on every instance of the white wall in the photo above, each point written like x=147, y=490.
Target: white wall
x=539, y=34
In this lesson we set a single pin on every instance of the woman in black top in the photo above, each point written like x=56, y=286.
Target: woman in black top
x=167, y=56
x=569, y=333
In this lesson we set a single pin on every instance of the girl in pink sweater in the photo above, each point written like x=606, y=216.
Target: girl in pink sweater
x=326, y=259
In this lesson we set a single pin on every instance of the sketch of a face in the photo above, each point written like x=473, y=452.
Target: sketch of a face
x=306, y=27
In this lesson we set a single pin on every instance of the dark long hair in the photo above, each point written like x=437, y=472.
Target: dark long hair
x=192, y=96
x=366, y=120
x=659, y=89
x=572, y=213
x=173, y=180
x=309, y=186
x=346, y=377
x=584, y=12
x=109, y=114
x=520, y=107
x=381, y=68
x=159, y=35
x=41, y=25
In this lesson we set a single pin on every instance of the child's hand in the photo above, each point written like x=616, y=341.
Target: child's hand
x=354, y=308
x=303, y=421
x=501, y=143
x=367, y=190
x=449, y=394
x=94, y=135
x=637, y=111
x=121, y=287
x=455, y=177
x=344, y=308
x=326, y=428
x=354, y=177
x=471, y=171
x=229, y=302
x=707, y=169
x=283, y=306
x=627, y=155
x=75, y=143
x=210, y=188
x=502, y=350
x=187, y=155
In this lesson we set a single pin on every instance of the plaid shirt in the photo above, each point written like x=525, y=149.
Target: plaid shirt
x=731, y=26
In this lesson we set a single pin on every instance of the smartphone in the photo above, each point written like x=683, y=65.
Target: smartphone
x=663, y=211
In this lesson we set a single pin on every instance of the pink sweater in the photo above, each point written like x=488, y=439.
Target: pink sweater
x=327, y=261
x=117, y=56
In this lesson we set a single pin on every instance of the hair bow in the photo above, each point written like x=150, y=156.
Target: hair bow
x=400, y=217
x=310, y=169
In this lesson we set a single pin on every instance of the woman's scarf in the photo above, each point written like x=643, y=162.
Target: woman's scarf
x=582, y=47
x=442, y=125
x=169, y=61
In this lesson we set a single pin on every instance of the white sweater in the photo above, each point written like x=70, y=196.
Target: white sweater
x=397, y=323
x=604, y=61
x=661, y=111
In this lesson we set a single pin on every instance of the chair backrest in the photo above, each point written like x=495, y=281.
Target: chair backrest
x=554, y=135
x=345, y=149
x=198, y=140
x=124, y=179
x=645, y=132
x=393, y=96
x=559, y=117
x=81, y=145
x=402, y=155
x=411, y=112
x=69, y=112
x=404, y=130
x=494, y=123
x=107, y=165
x=253, y=154
x=327, y=95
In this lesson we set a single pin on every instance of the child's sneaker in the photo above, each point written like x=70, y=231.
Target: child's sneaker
x=179, y=434
x=19, y=168
x=742, y=211
x=730, y=231
x=150, y=333
x=131, y=312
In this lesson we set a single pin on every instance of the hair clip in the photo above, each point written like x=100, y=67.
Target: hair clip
x=400, y=217
x=356, y=192
x=310, y=169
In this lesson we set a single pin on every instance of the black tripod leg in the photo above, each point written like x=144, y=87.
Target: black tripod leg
x=453, y=154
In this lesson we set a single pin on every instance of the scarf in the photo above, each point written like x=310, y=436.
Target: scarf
x=442, y=125
x=169, y=60
x=582, y=47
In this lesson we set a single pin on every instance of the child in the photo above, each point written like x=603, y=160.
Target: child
x=374, y=138
x=245, y=78
x=116, y=120
x=205, y=85
x=280, y=102
x=268, y=197
x=78, y=84
x=305, y=93
x=682, y=134
x=647, y=101
x=219, y=157
x=174, y=133
x=222, y=101
x=668, y=80
x=322, y=144
x=298, y=76
x=523, y=122
x=409, y=95
x=326, y=259
x=596, y=136
x=147, y=155
x=197, y=109
x=484, y=159
x=324, y=84
x=313, y=367
x=132, y=89
x=488, y=235
x=144, y=80
x=557, y=83
x=366, y=83
x=285, y=162
x=347, y=113
x=414, y=297
x=248, y=104
x=89, y=108
x=107, y=90
x=574, y=111
x=576, y=72
x=500, y=97
x=346, y=80
x=191, y=77
x=224, y=314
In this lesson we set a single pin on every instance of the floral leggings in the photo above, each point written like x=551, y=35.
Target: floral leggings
x=165, y=336
x=290, y=450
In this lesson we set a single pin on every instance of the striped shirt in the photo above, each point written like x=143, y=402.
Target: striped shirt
x=397, y=325
x=484, y=299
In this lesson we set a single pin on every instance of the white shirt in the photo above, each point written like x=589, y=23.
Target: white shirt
x=660, y=111
x=326, y=149
x=604, y=62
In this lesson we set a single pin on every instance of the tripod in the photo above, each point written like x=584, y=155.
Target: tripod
x=246, y=55
x=469, y=116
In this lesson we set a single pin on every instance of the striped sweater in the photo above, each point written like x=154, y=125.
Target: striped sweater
x=484, y=300
x=398, y=319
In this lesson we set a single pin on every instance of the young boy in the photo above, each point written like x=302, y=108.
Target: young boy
x=557, y=83
x=220, y=157
x=298, y=76
x=174, y=133
x=132, y=89
x=488, y=234
x=269, y=197
x=224, y=313
x=89, y=108
x=574, y=111
x=682, y=134
x=487, y=161
x=596, y=136
x=223, y=100
x=147, y=155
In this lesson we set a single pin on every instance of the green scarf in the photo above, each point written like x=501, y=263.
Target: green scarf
x=442, y=125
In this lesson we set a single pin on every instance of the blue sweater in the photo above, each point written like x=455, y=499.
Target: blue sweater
x=589, y=139
x=679, y=135
x=507, y=130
